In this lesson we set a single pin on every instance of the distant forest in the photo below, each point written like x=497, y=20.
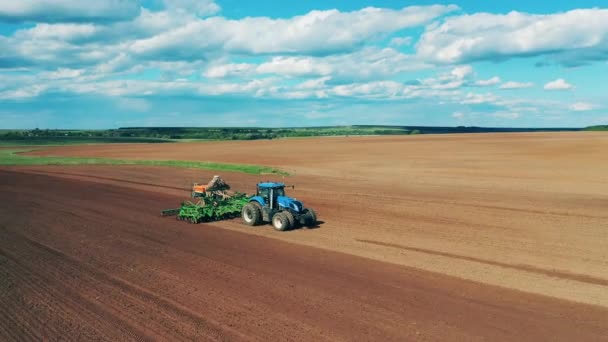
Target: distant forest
x=168, y=134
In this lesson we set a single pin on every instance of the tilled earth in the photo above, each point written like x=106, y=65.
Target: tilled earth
x=523, y=211
x=84, y=260
x=464, y=237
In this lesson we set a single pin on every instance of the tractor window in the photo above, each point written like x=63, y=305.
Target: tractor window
x=263, y=192
x=280, y=191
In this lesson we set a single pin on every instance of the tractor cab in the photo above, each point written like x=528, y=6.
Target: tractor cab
x=269, y=192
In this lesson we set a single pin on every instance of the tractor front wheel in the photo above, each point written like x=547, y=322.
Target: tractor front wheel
x=310, y=218
x=251, y=214
x=280, y=222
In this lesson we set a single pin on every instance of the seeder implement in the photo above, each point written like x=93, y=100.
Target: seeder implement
x=211, y=209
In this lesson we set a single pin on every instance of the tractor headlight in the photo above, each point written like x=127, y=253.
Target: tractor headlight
x=295, y=206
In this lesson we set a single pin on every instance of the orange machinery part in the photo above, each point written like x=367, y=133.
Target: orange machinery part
x=199, y=188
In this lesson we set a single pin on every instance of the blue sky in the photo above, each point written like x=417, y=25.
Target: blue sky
x=116, y=63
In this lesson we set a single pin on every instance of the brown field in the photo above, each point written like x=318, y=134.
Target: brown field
x=458, y=237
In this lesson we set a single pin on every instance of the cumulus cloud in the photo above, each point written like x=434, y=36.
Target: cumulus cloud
x=473, y=98
x=178, y=34
x=229, y=70
x=369, y=90
x=259, y=87
x=183, y=50
x=582, y=106
x=506, y=115
x=68, y=10
x=316, y=83
x=23, y=92
x=49, y=46
x=61, y=73
x=62, y=32
x=516, y=85
x=458, y=115
x=456, y=78
x=294, y=66
x=558, y=84
x=462, y=72
x=489, y=82
x=572, y=37
x=365, y=64
x=317, y=32
x=200, y=7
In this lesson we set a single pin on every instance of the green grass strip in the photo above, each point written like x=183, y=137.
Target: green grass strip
x=14, y=158
x=59, y=141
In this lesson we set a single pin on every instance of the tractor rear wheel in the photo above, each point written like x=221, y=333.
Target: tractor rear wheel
x=310, y=218
x=290, y=219
x=251, y=214
x=280, y=222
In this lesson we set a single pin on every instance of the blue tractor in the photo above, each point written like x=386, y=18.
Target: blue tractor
x=271, y=205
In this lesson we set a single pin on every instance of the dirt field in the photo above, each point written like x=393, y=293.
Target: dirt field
x=512, y=227
x=75, y=262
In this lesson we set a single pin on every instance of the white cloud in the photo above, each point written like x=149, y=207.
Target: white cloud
x=378, y=89
x=254, y=88
x=199, y=7
x=365, y=64
x=462, y=72
x=582, y=106
x=448, y=85
x=458, y=115
x=473, y=98
x=62, y=32
x=179, y=35
x=506, y=115
x=24, y=92
x=68, y=10
x=226, y=70
x=294, y=66
x=316, y=83
x=456, y=78
x=558, y=84
x=61, y=73
x=516, y=85
x=573, y=37
x=322, y=54
x=317, y=32
x=489, y=82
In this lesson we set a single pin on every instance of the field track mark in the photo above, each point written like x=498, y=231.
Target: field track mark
x=353, y=194
x=527, y=268
x=213, y=330
x=418, y=200
x=108, y=179
x=45, y=288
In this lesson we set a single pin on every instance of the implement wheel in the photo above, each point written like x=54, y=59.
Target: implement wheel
x=251, y=214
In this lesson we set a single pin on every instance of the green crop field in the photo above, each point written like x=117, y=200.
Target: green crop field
x=51, y=140
x=14, y=157
x=602, y=128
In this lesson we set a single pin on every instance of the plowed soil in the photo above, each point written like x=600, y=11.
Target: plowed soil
x=84, y=261
x=464, y=237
